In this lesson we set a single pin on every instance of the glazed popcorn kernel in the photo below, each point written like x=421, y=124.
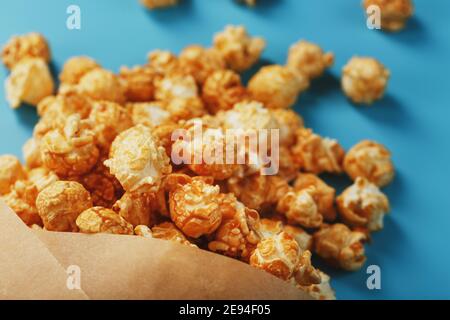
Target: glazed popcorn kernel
x=75, y=68
x=139, y=83
x=101, y=187
x=136, y=208
x=185, y=109
x=303, y=238
x=364, y=80
x=325, y=193
x=276, y=86
x=340, y=246
x=31, y=45
x=394, y=13
x=237, y=235
x=22, y=200
x=200, y=62
x=249, y=115
x=11, y=170
x=321, y=291
x=154, y=4
x=222, y=90
x=71, y=150
x=168, y=231
x=60, y=204
x=307, y=274
x=363, y=205
x=175, y=85
x=239, y=50
x=162, y=61
x=101, y=84
x=30, y=81
x=32, y=153
x=289, y=123
x=370, y=160
x=41, y=178
x=317, y=154
x=309, y=59
x=150, y=114
x=301, y=207
x=102, y=220
x=195, y=208
x=143, y=231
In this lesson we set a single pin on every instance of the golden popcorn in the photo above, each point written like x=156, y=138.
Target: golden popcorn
x=200, y=62
x=137, y=160
x=325, y=194
x=175, y=85
x=71, y=150
x=162, y=61
x=75, y=68
x=303, y=238
x=101, y=187
x=151, y=114
x=101, y=84
x=289, y=122
x=31, y=45
x=306, y=273
x=370, y=160
x=60, y=204
x=321, y=291
x=340, y=246
x=239, y=50
x=139, y=83
x=41, y=178
x=135, y=208
x=316, y=154
x=143, y=231
x=154, y=4
x=248, y=115
x=394, y=13
x=11, y=170
x=276, y=86
x=168, y=231
x=102, y=220
x=30, y=81
x=222, y=90
x=22, y=200
x=32, y=153
x=195, y=208
x=185, y=109
x=363, y=205
x=364, y=80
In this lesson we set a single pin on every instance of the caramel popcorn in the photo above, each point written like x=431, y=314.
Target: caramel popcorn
x=101, y=187
x=102, y=220
x=162, y=61
x=60, y=204
x=154, y=4
x=41, y=178
x=150, y=114
x=22, y=200
x=70, y=150
x=309, y=59
x=276, y=86
x=195, y=208
x=143, y=231
x=137, y=160
x=31, y=45
x=303, y=238
x=370, y=160
x=321, y=291
x=75, y=68
x=239, y=50
x=11, y=170
x=340, y=246
x=175, y=85
x=135, y=208
x=185, y=109
x=363, y=205
x=32, y=153
x=201, y=62
x=316, y=154
x=364, y=80
x=101, y=84
x=168, y=231
x=289, y=122
x=30, y=81
x=394, y=13
x=249, y=115
x=222, y=90
x=139, y=83
x=324, y=193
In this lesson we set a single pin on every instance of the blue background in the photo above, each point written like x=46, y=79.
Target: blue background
x=413, y=251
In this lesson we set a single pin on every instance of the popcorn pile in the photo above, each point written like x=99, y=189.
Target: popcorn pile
x=100, y=159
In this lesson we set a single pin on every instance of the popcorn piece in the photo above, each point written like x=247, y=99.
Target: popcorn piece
x=309, y=59
x=102, y=220
x=370, y=160
x=163, y=62
x=185, y=109
x=394, y=13
x=201, y=62
x=222, y=90
x=277, y=86
x=41, y=178
x=317, y=154
x=136, y=208
x=139, y=83
x=22, y=200
x=10, y=171
x=321, y=291
x=364, y=80
x=168, y=231
x=303, y=238
x=155, y=4
x=289, y=122
x=164, y=134
x=306, y=274
x=143, y=231
x=268, y=228
x=195, y=208
x=340, y=246
x=137, y=160
x=60, y=204
x=325, y=193
x=150, y=114
x=239, y=50
x=70, y=150
x=249, y=115
x=301, y=207
x=75, y=68
x=101, y=187
x=31, y=45
x=175, y=85
x=100, y=84
x=30, y=81
x=363, y=205
x=32, y=153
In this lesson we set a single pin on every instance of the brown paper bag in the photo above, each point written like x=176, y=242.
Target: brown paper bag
x=34, y=264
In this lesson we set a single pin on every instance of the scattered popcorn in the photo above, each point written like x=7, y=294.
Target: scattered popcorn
x=101, y=84
x=394, y=13
x=364, y=80
x=370, y=160
x=139, y=83
x=239, y=50
x=155, y=4
x=276, y=86
x=163, y=62
x=102, y=220
x=60, y=204
x=22, y=199
x=75, y=68
x=168, y=231
x=10, y=171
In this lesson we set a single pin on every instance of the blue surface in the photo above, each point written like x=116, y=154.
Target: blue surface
x=413, y=249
